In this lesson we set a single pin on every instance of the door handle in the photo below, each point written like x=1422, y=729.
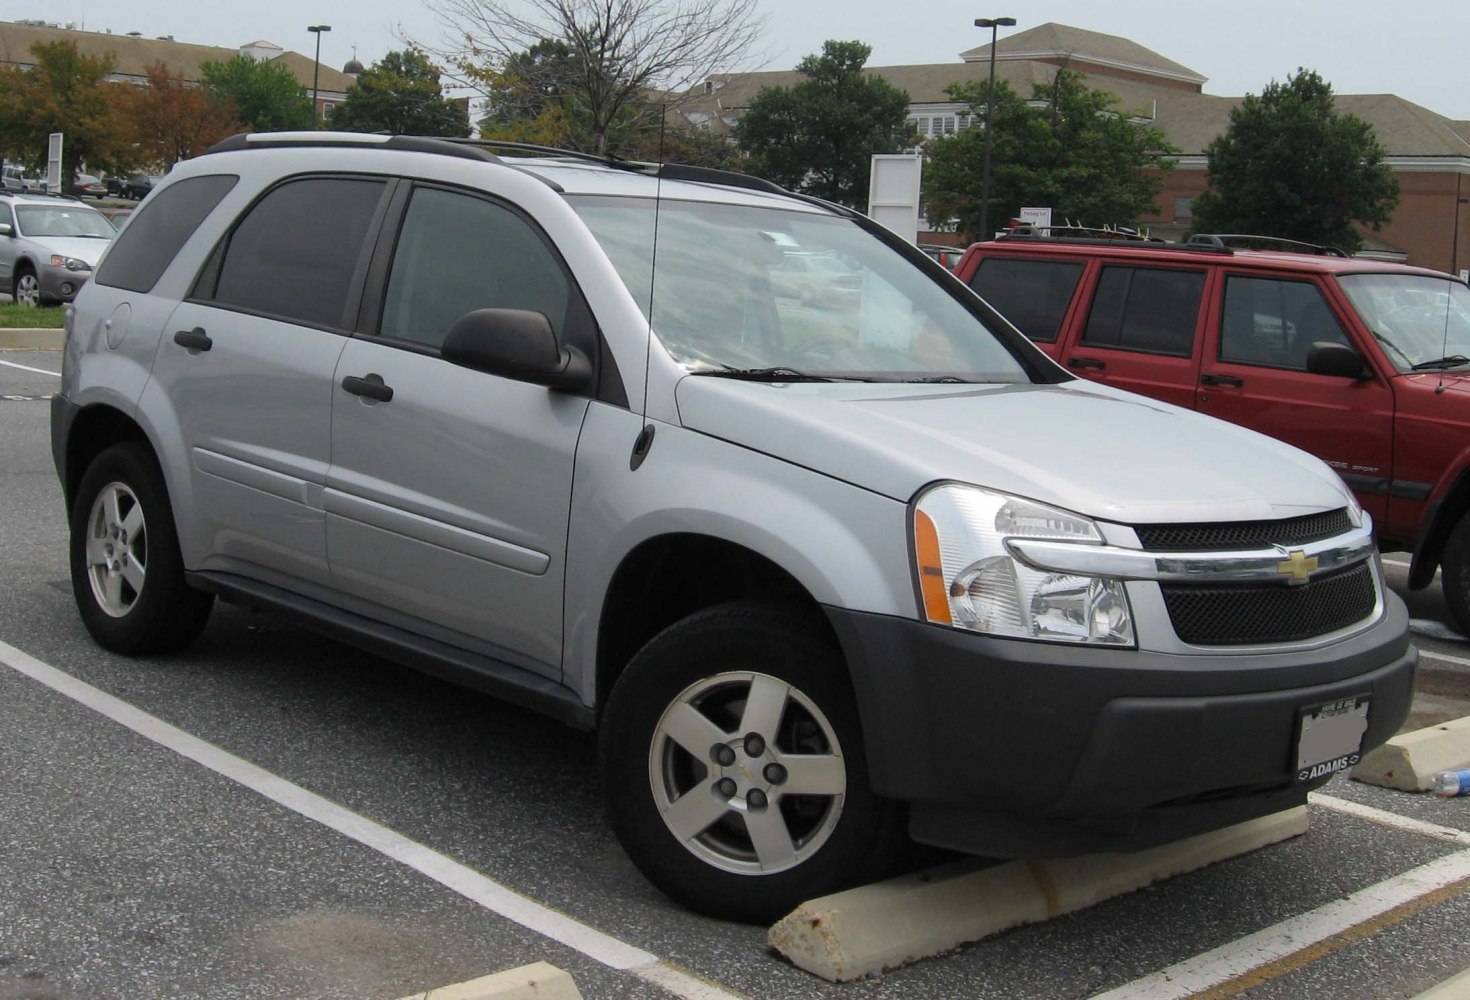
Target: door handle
x=1210, y=378
x=370, y=385
x=195, y=339
x=1086, y=363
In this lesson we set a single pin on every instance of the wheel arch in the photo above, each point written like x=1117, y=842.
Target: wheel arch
x=669, y=577
x=95, y=429
x=1439, y=521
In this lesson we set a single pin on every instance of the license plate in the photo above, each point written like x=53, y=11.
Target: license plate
x=1331, y=737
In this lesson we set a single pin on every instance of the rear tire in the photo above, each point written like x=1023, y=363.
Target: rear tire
x=126, y=572
x=1455, y=574
x=734, y=766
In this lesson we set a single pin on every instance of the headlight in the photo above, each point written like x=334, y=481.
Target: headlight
x=969, y=579
x=70, y=263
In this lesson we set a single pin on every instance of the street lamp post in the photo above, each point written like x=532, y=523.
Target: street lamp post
x=316, y=69
x=994, y=24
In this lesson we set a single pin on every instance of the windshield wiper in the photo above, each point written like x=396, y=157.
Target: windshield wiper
x=940, y=379
x=777, y=374
x=1453, y=361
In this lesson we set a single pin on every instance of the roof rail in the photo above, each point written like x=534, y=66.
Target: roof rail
x=363, y=140
x=1246, y=241
x=1106, y=238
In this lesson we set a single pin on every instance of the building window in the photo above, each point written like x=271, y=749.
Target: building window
x=1183, y=208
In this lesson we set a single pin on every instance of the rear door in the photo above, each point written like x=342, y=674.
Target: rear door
x=1142, y=329
x=1255, y=374
x=449, y=492
x=247, y=360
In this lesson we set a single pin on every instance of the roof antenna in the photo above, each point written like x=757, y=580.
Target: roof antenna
x=1444, y=344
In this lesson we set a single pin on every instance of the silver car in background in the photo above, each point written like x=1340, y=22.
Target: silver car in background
x=49, y=246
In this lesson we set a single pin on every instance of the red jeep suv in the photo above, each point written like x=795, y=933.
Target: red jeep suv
x=1366, y=364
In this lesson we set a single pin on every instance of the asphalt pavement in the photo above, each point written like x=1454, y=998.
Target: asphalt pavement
x=270, y=814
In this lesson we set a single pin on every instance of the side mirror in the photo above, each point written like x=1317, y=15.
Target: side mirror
x=1328, y=358
x=517, y=344
x=6, y=229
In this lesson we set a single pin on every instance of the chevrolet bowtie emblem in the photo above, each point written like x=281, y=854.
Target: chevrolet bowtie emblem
x=1297, y=567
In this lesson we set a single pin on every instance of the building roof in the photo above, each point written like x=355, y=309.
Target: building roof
x=133, y=55
x=1066, y=44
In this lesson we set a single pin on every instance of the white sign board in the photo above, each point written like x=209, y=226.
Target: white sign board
x=53, y=163
x=893, y=193
x=1037, y=218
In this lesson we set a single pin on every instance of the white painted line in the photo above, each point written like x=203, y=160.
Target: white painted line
x=1246, y=954
x=28, y=368
x=1398, y=560
x=1460, y=661
x=491, y=895
x=1391, y=819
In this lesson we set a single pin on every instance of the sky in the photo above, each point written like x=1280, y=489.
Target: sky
x=1417, y=52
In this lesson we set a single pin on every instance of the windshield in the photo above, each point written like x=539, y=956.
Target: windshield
x=58, y=220
x=761, y=290
x=1419, y=320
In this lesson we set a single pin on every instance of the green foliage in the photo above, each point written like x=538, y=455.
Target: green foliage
x=1289, y=165
x=1072, y=151
x=264, y=95
x=67, y=92
x=531, y=84
x=401, y=93
x=819, y=136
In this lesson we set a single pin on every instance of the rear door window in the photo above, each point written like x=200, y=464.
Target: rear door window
x=295, y=253
x=1032, y=294
x=1151, y=310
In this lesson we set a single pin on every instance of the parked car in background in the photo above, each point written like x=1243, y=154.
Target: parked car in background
x=138, y=186
x=16, y=179
x=48, y=246
x=817, y=279
x=1363, y=363
x=946, y=257
x=90, y=187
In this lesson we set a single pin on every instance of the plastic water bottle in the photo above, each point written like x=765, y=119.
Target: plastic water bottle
x=1450, y=784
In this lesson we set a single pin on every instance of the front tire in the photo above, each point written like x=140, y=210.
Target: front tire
x=1455, y=575
x=127, y=575
x=734, y=766
x=26, y=288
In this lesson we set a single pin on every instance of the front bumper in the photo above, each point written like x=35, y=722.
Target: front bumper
x=1012, y=748
x=60, y=283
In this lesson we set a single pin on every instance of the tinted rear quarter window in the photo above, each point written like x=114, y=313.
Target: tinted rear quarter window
x=1145, y=309
x=157, y=231
x=294, y=253
x=1032, y=294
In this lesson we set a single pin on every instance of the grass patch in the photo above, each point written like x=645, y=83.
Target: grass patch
x=13, y=317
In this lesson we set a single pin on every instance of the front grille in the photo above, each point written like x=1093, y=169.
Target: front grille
x=1243, y=534
x=1248, y=614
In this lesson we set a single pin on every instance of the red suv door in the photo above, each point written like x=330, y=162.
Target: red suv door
x=1141, y=328
x=1255, y=374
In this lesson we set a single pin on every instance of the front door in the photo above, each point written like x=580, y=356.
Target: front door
x=447, y=504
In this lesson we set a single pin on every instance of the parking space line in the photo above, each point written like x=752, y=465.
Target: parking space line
x=1390, y=819
x=486, y=892
x=1274, y=951
x=1425, y=654
x=28, y=368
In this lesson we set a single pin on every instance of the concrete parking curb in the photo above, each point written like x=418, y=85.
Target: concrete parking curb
x=1407, y=761
x=1454, y=988
x=850, y=934
x=27, y=339
x=537, y=981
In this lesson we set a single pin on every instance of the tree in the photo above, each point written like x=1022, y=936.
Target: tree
x=612, y=66
x=1068, y=148
x=820, y=135
x=401, y=93
x=67, y=92
x=264, y=95
x=170, y=120
x=1289, y=165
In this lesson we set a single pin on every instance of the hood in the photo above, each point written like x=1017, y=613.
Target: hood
x=1081, y=446
x=80, y=247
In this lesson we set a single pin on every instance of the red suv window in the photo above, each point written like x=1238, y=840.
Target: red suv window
x=1145, y=309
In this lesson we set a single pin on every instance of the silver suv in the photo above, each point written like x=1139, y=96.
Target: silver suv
x=48, y=247
x=822, y=576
